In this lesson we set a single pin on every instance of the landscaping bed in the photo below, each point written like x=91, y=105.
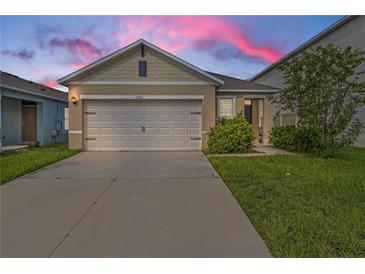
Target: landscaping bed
x=302, y=205
x=15, y=164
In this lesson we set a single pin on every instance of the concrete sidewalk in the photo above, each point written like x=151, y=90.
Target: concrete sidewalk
x=145, y=204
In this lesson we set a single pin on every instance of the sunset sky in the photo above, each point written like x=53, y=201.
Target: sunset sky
x=45, y=48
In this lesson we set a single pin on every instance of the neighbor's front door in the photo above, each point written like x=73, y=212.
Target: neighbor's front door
x=29, y=123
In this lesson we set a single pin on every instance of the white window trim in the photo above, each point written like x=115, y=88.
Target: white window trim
x=66, y=119
x=233, y=106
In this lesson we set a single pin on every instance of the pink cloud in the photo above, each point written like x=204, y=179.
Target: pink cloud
x=80, y=48
x=50, y=83
x=78, y=65
x=175, y=33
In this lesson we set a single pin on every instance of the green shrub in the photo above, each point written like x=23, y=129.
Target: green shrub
x=308, y=139
x=233, y=135
x=33, y=144
x=283, y=137
x=301, y=139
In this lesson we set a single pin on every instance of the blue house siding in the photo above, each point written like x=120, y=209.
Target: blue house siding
x=10, y=120
x=50, y=117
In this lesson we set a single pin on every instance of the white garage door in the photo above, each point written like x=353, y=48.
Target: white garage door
x=121, y=125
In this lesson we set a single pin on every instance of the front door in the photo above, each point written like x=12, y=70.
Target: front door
x=29, y=122
x=248, y=111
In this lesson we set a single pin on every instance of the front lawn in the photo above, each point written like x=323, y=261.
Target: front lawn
x=301, y=205
x=23, y=162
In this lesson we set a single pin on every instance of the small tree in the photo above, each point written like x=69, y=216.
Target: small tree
x=323, y=89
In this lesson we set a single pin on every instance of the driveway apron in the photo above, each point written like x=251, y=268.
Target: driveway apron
x=125, y=204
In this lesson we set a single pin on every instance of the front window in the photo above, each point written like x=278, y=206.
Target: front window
x=225, y=107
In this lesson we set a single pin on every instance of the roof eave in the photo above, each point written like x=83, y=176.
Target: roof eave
x=34, y=93
x=65, y=80
x=305, y=45
x=250, y=90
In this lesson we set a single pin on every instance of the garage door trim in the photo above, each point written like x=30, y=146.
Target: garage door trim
x=142, y=97
x=120, y=134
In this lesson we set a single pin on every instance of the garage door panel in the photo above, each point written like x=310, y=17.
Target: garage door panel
x=122, y=131
x=179, y=118
x=163, y=118
x=92, y=131
x=151, y=144
x=121, y=125
x=106, y=118
x=194, y=118
x=164, y=131
x=137, y=144
x=136, y=131
x=121, y=145
x=194, y=132
x=133, y=118
x=151, y=131
x=150, y=118
x=194, y=144
x=181, y=144
x=179, y=131
x=121, y=118
x=164, y=144
x=107, y=131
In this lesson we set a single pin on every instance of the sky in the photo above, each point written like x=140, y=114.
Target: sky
x=46, y=48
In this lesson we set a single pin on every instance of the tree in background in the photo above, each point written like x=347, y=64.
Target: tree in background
x=323, y=89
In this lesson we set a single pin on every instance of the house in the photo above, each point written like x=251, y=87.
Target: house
x=144, y=98
x=31, y=112
x=348, y=31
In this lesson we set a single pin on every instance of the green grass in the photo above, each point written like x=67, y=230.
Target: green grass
x=17, y=164
x=302, y=206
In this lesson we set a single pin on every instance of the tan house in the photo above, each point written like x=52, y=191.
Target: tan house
x=348, y=31
x=144, y=98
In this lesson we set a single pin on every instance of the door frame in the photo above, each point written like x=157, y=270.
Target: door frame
x=22, y=124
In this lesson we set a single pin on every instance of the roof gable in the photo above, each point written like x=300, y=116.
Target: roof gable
x=114, y=61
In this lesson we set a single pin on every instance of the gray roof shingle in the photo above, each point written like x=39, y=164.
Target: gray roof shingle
x=240, y=84
x=10, y=81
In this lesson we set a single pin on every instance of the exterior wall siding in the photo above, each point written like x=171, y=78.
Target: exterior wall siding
x=350, y=34
x=10, y=121
x=126, y=68
x=47, y=112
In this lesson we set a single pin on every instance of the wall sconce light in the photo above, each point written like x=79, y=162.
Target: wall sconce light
x=74, y=100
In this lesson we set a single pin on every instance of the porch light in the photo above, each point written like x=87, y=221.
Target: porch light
x=74, y=100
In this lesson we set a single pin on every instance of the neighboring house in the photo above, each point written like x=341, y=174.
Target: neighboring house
x=349, y=31
x=31, y=112
x=144, y=98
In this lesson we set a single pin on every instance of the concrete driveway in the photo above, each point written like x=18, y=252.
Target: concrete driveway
x=131, y=204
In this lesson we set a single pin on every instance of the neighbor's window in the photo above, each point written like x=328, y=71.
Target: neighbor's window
x=143, y=68
x=66, y=119
x=225, y=107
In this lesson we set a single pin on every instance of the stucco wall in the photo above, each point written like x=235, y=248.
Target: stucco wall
x=76, y=111
x=351, y=34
